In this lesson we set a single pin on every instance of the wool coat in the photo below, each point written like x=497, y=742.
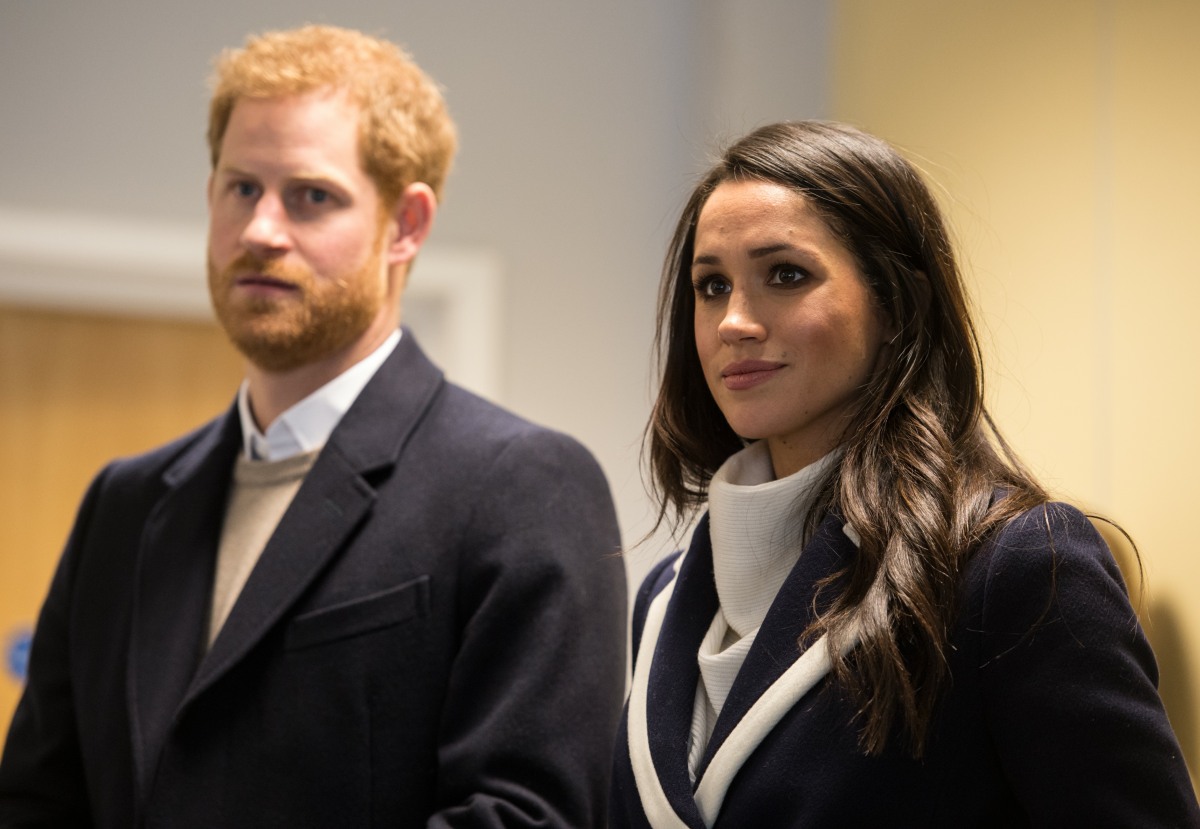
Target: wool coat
x=434, y=634
x=1052, y=717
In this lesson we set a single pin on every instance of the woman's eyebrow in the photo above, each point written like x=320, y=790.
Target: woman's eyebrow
x=767, y=250
x=754, y=253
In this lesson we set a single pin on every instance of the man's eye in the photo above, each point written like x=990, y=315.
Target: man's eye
x=245, y=189
x=316, y=195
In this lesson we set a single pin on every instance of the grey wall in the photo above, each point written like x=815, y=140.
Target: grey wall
x=582, y=127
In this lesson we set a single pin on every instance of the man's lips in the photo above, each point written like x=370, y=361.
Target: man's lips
x=260, y=283
x=746, y=374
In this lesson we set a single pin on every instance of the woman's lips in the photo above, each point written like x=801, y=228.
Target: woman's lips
x=746, y=374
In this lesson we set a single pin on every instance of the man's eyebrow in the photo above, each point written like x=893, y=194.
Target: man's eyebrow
x=230, y=170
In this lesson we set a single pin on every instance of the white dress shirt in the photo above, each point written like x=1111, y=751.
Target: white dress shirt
x=307, y=425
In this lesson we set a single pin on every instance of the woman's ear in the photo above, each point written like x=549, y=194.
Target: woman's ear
x=922, y=295
x=410, y=222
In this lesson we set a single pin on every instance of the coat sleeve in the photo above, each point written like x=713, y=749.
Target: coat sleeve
x=42, y=781
x=536, y=689
x=1070, y=682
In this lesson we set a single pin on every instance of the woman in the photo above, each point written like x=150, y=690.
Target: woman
x=880, y=621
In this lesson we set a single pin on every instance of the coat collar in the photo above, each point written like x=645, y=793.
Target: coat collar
x=776, y=646
x=761, y=683
x=168, y=667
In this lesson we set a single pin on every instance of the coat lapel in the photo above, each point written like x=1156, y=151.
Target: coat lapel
x=770, y=678
x=331, y=502
x=174, y=587
x=168, y=667
x=335, y=497
x=776, y=646
x=778, y=671
x=674, y=673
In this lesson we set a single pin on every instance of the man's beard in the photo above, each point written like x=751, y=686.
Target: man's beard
x=320, y=318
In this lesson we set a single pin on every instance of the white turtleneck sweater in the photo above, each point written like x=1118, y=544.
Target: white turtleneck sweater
x=756, y=524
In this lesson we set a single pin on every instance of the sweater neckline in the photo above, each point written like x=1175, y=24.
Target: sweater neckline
x=756, y=524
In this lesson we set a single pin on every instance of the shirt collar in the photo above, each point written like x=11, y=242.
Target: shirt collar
x=307, y=425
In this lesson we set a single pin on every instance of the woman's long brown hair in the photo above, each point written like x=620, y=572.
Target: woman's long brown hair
x=922, y=460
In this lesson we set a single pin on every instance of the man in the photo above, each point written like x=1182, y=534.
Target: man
x=363, y=596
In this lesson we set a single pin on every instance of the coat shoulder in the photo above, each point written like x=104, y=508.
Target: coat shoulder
x=1043, y=555
x=494, y=436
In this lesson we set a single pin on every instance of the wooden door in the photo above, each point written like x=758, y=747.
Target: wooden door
x=77, y=390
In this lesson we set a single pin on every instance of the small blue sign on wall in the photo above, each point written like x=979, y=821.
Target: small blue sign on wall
x=16, y=653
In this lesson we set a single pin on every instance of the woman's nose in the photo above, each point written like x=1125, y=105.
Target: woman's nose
x=740, y=321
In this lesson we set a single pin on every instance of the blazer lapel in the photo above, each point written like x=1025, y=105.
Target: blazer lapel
x=174, y=587
x=776, y=647
x=331, y=502
x=335, y=497
x=674, y=674
x=772, y=671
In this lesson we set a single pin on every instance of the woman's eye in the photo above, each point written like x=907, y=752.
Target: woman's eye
x=315, y=195
x=787, y=275
x=711, y=286
x=245, y=189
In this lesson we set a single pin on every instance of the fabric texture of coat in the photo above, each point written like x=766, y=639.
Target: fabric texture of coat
x=1053, y=718
x=434, y=635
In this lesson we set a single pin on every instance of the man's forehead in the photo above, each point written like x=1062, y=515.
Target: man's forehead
x=331, y=93
x=316, y=133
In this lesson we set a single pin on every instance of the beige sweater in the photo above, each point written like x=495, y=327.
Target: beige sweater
x=259, y=496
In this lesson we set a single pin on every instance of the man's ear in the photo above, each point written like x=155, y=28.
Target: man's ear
x=411, y=221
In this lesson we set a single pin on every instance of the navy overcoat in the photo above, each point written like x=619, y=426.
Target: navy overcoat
x=1052, y=719
x=433, y=635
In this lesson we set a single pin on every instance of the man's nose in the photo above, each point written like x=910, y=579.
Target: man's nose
x=267, y=230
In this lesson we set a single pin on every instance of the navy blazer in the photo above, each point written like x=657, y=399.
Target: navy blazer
x=1053, y=718
x=434, y=634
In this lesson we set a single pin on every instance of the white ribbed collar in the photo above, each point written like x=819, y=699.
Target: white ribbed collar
x=307, y=425
x=756, y=523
